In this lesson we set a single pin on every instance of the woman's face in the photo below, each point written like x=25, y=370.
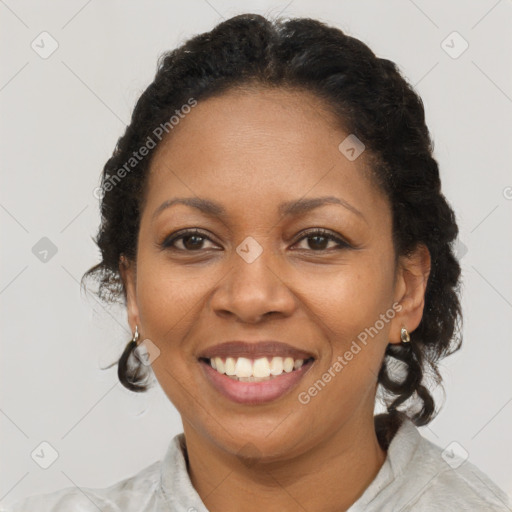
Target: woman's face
x=255, y=274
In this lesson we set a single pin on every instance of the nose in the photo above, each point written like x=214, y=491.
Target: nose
x=252, y=290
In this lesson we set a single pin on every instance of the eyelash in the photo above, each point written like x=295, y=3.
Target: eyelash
x=342, y=244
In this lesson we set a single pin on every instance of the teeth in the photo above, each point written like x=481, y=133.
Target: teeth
x=298, y=364
x=230, y=366
x=276, y=366
x=288, y=364
x=251, y=379
x=261, y=368
x=219, y=365
x=248, y=370
x=243, y=367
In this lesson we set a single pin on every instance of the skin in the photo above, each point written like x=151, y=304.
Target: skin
x=250, y=150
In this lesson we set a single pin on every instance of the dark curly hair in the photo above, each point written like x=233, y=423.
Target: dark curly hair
x=372, y=100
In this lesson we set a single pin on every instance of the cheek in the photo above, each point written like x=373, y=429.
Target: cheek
x=168, y=299
x=166, y=289
x=354, y=311
x=168, y=303
x=351, y=298
x=347, y=307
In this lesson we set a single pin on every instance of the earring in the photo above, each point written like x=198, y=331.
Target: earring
x=136, y=335
x=404, y=335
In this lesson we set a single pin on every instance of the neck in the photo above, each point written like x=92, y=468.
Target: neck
x=338, y=470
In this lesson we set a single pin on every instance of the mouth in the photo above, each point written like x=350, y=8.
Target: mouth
x=244, y=369
x=254, y=381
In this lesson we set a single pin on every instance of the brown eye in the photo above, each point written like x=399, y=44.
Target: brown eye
x=192, y=240
x=320, y=238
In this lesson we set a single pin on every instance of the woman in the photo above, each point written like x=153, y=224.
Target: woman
x=274, y=221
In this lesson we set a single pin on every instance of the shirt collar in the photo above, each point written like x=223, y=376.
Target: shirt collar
x=400, y=454
x=175, y=484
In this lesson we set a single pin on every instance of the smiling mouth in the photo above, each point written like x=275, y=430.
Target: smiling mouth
x=260, y=369
x=259, y=380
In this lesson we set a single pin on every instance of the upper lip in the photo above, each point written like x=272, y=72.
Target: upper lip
x=254, y=349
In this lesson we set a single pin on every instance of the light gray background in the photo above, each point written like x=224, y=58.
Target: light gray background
x=60, y=120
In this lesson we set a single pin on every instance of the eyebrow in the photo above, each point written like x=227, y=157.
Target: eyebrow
x=297, y=207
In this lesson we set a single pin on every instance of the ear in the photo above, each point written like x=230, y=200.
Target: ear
x=127, y=271
x=410, y=285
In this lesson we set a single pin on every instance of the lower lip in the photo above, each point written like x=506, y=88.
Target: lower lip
x=253, y=393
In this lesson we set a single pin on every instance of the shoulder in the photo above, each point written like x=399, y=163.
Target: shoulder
x=438, y=479
x=467, y=489
x=420, y=476
x=136, y=493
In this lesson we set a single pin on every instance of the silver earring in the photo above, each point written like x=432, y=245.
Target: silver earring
x=136, y=335
x=404, y=335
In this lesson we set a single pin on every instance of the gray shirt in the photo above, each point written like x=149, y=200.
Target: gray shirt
x=416, y=476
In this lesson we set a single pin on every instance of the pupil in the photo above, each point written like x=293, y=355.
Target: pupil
x=194, y=237
x=316, y=238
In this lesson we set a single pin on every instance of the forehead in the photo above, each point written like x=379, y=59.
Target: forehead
x=259, y=147
x=276, y=120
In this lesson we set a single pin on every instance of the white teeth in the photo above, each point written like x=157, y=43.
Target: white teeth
x=251, y=379
x=219, y=363
x=276, y=366
x=261, y=368
x=230, y=366
x=249, y=370
x=288, y=364
x=243, y=367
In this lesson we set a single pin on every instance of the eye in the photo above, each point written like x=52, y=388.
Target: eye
x=320, y=238
x=192, y=240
